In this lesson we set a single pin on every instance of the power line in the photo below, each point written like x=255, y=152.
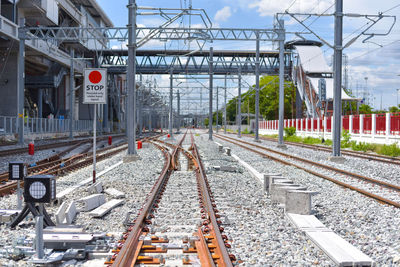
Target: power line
x=390, y=9
x=374, y=50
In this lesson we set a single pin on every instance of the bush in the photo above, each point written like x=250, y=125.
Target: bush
x=362, y=146
x=311, y=140
x=245, y=131
x=389, y=150
x=290, y=131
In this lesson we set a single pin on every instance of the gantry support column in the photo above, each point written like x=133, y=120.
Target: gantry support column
x=71, y=95
x=281, y=80
x=171, y=84
x=210, y=93
x=131, y=109
x=257, y=109
x=239, y=116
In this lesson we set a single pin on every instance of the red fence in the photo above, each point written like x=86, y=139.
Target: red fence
x=364, y=124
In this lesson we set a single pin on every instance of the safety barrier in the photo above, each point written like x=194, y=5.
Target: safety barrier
x=9, y=125
x=365, y=127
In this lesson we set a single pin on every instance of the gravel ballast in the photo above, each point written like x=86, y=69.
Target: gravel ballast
x=368, y=225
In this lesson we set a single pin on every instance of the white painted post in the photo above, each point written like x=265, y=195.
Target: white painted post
x=387, y=126
x=325, y=123
x=373, y=130
x=351, y=124
x=361, y=124
x=301, y=125
x=312, y=125
x=318, y=125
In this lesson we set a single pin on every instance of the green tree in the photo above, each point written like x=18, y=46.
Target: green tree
x=394, y=109
x=269, y=100
x=365, y=109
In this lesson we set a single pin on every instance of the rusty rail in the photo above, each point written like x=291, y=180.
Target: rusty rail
x=366, y=193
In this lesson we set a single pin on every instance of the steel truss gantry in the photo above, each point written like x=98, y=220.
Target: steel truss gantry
x=138, y=36
x=187, y=62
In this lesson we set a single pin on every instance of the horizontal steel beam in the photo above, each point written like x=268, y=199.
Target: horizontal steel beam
x=121, y=34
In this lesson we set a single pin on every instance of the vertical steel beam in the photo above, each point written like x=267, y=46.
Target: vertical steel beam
x=281, y=79
x=131, y=109
x=171, y=84
x=40, y=103
x=210, y=94
x=217, y=115
x=337, y=75
x=179, y=112
x=239, y=116
x=257, y=109
x=71, y=95
x=225, y=107
x=21, y=83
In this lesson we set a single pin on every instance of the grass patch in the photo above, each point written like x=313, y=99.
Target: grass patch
x=197, y=134
x=388, y=150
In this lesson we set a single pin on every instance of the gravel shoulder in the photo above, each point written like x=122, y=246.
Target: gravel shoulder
x=368, y=225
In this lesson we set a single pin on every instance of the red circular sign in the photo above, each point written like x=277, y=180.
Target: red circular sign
x=95, y=76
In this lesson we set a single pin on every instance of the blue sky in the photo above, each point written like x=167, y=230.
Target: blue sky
x=380, y=64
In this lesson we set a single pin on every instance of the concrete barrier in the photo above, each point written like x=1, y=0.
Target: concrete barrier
x=298, y=202
x=92, y=201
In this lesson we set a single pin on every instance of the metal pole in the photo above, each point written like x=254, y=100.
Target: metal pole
x=179, y=111
x=171, y=84
x=131, y=130
x=19, y=195
x=281, y=80
x=21, y=84
x=71, y=94
x=217, y=110
x=239, y=117
x=337, y=82
x=210, y=94
x=225, y=108
x=39, y=233
x=257, y=109
x=150, y=128
x=40, y=103
x=94, y=141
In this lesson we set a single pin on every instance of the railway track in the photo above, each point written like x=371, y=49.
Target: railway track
x=14, y=151
x=56, y=165
x=166, y=230
x=358, y=154
x=379, y=190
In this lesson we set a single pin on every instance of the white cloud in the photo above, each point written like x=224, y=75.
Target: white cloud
x=223, y=14
x=271, y=7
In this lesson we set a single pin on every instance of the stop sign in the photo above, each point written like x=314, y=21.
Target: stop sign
x=95, y=86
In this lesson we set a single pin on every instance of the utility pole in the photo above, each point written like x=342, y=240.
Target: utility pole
x=179, y=112
x=281, y=81
x=239, y=116
x=210, y=94
x=337, y=75
x=225, y=108
x=171, y=83
x=131, y=75
x=257, y=109
x=71, y=95
x=21, y=84
x=217, y=110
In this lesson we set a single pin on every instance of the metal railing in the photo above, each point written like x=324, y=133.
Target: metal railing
x=9, y=125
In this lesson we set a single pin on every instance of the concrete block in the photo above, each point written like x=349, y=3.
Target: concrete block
x=298, y=202
x=306, y=222
x=70, y=213
x=339, y=250
x=278, y=194
x=277, y=180
x=92, y=201
x=105, y=208
x=228, y=151
x=266, y=177
x=60, y=214
x=95, y=188
x=220, y=147
x=145, y=145
x=114, y=193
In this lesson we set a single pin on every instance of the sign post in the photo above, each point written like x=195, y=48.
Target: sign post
x=95, y=92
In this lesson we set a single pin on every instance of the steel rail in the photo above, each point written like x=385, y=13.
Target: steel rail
x=225, y=259
x=127, y=256
x=13, y=151
x=364, y=192
x=380, y=158
x=355, y=175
